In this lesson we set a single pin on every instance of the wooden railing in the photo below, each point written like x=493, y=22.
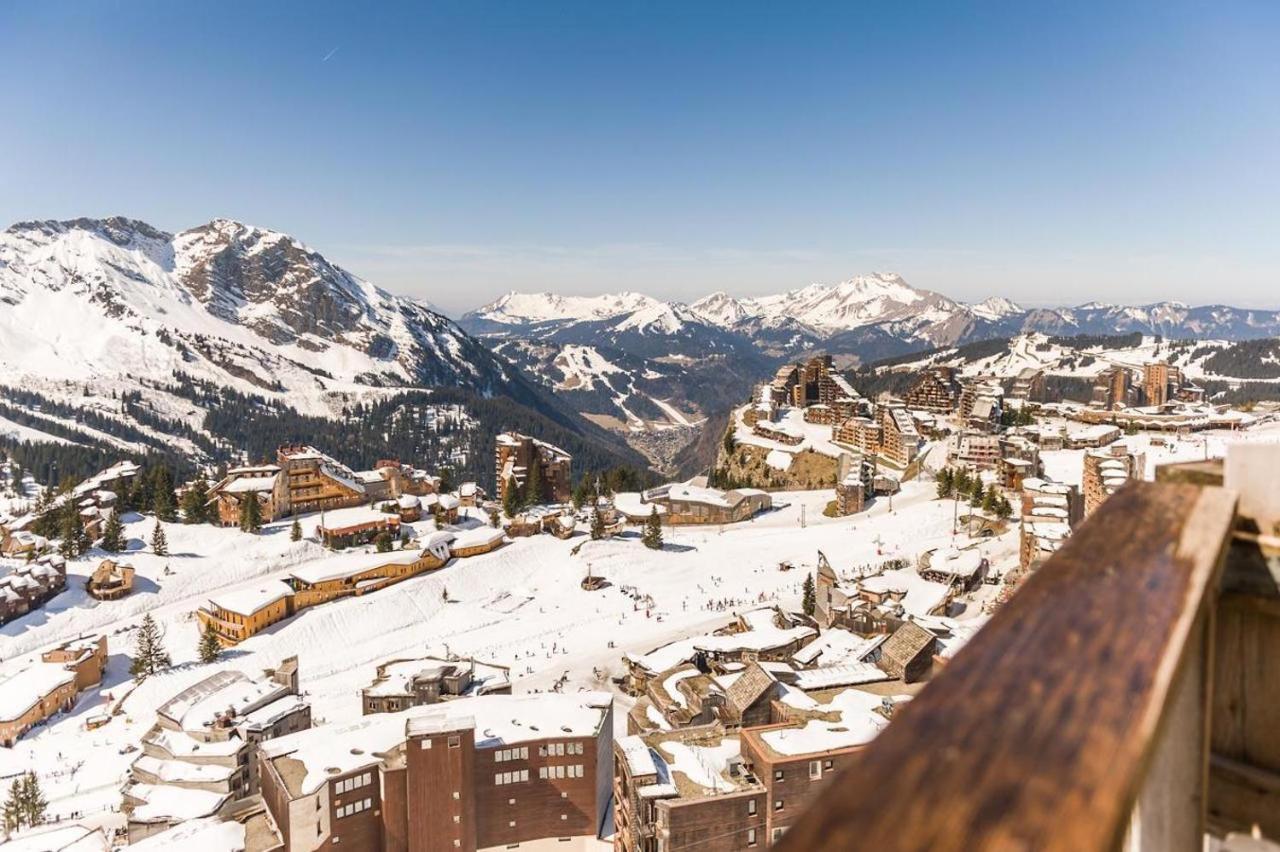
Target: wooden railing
x=1126, y=697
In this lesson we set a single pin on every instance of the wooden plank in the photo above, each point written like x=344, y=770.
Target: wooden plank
x=1241, y=796
x=1039, y=733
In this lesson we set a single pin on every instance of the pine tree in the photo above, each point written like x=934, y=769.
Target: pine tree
x=533, y=483
x=511, y=498
x=210, y=648
x=494, y=520
x=945, y=483
x=71, y=529
x=14, y=818
x=989, y=500
x=250, y=514
x=159, y=543
x=653, y=531
x=976, y=500
x=194, y=503
x=162, y=501
x=113, y=534
x=446, y=480
x=597, y=525
x=579, y=496
x=34, y=803
x=382, y=541
x=810, y=596
x=149, y=654
x=1003, y=509
x=295, y=531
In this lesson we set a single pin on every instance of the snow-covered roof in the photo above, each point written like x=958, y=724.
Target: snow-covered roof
x=762, y=635
x=354, y=516
x=247, y=600
x=954, y=562
x=856, y=724
x=250, y=484
x=183, y=771
x=637, y=755
x=349, y=564
x=207, y=834
x=198, y=706
x=23, y=689
x=477, y=537
x=58, y=838
x=398, y=676
x=168, y=803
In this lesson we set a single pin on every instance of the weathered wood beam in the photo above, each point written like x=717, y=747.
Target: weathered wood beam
x=1039, y=733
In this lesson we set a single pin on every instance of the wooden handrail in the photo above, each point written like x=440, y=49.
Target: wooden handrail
x=1040, y=733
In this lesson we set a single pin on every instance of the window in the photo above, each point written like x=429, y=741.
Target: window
x=777, y=804
x=751, y=807
x=777, y=775
x=827, y=764
x=751, y=837
x=777, y=834
x=542, y=772
x=455, y=742
x=815, y=770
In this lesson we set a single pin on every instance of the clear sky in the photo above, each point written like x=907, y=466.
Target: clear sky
x=1052, y=153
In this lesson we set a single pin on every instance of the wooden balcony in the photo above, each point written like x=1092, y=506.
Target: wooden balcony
x=1127, y=696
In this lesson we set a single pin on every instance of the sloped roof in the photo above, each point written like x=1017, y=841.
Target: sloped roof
x=747, y=688
x=906, y=643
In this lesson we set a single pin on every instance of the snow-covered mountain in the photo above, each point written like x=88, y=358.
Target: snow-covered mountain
x=118, y=304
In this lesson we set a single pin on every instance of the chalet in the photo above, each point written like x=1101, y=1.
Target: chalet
x=401, y=684
x=198, y=759
x=100, y=490
x=111, y=580
x=516, y=454
x=470, y=494
x=252, y=482
x=409, y=508
x=682, y=504
x=963, y=569
x=31, y=585
x=316, y=481
x=30, y=695
x=477, y=541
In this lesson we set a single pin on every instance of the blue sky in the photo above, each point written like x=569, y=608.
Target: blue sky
x=1052, y=153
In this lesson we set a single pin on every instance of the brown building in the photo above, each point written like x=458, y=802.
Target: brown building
x=935, y=390
x=1049, y=511
x=899, y=440
x=43, y=689
x=198, y=759
x=1107, y=469
x=812, y=382
x=1028, y=385
x=856, y=485
x=111, y=580
x=680, y=504
x=487, y=772
x=1160, y=383
x=357, y=525
x=515, y=455
x=1113, y=389
x=732, y=696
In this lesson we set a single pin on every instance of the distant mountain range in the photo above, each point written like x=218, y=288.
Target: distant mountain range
x=678, y=353
x=93, y=308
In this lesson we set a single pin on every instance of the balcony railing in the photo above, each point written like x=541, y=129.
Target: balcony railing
x=1126, y=697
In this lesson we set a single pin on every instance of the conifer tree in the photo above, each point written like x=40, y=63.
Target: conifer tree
x=446, y=480
x=250, y=514
x=295, y=531
x=989, y=500
x=210, y=648
x=597, y=525
x=945, y=483
x=162, y=501
x=511, y=498
x=14, y=817
x=533, y=483
x=71, y=529
x=34, y=803
x=1003, y=509
x=382, y=542
x=159, y=542
x=113, y=534
x=976, y=500
x=149, y=654
x=194, y=503
x=653, y=531
x=494, y=520
x=810, y=596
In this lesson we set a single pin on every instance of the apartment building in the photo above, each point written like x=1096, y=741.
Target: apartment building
x=515, y=455
x=198, y=759
x=1105, y=470
x=493, y=771
x=935, y=390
